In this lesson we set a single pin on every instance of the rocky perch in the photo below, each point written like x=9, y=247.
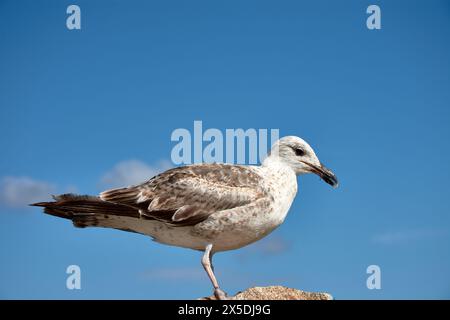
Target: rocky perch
x=276, y=293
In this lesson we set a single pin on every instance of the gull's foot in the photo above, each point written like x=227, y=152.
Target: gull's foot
x=220, y=294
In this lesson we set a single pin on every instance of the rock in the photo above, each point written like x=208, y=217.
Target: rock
x=277, y=293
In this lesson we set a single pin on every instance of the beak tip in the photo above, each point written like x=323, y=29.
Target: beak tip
x=325, y=174
x=331, y=179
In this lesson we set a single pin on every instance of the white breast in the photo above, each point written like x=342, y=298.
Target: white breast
x=281, y=184
x=235, y=228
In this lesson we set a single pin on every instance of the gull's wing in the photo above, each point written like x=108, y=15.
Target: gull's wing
x=188, y=195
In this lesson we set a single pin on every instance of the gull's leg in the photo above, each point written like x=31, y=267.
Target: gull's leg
x=206, y=262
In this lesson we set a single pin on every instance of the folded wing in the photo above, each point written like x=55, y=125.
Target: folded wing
x=188, y=195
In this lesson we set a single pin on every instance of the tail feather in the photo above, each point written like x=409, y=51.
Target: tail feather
x=83, y=209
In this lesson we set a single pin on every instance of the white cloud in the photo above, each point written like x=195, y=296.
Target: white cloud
x=270, y=246
x=175, y=274
x=407, y=236
x=21, y=191
x=131, y=172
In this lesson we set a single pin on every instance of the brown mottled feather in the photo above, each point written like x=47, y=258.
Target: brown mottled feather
x=188, y=195
x=182, y=196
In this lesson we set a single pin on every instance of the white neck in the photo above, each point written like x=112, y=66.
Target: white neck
x=274, y=161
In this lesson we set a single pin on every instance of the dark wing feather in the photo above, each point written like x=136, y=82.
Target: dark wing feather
x=89, y=211
x=188, y=195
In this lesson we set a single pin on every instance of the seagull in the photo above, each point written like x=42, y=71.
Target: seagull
x=207, y=207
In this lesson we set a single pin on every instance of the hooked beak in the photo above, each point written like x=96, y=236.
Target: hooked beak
x=324, y=173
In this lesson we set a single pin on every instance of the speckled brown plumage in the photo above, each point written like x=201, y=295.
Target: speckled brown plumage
x=185, y=196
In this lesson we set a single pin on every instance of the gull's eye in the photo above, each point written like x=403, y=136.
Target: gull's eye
x=299, y=152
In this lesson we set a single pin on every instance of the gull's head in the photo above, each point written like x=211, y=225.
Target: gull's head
x=300, y=157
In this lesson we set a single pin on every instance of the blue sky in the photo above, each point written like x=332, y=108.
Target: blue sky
x=79, y=110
